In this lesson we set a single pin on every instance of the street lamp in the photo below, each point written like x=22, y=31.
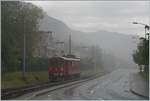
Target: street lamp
x=146, y=26
x=24, y=40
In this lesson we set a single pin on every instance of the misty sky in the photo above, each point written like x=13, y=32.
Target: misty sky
x=114, y=16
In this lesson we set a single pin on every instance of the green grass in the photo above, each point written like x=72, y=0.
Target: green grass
x=14, y=79
x=145, y=75
x=85, y=73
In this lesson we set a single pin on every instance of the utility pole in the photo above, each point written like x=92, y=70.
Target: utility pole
x=24, y=47
x=70, y=44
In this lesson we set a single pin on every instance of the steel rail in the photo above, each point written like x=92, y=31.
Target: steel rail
x=15, y=92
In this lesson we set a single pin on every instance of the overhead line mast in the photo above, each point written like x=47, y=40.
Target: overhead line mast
x=70, y=44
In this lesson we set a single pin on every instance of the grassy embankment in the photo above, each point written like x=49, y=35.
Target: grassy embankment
x=90, y=72
x=14, y=79
x=145, y=75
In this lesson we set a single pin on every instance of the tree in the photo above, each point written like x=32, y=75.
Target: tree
x=17, y=18
x=141, y=55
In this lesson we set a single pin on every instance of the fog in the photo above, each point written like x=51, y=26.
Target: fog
x=104, y=25
x=56, y=50
x=116, y=48
x=92, y=16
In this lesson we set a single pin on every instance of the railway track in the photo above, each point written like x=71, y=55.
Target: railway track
x=15, y=92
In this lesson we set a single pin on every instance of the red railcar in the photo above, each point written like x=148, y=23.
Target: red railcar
x=63, y=67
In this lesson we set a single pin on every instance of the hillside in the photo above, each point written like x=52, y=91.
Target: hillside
x=118, y=44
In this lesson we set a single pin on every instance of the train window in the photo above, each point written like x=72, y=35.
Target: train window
x=72, y=64
x=58, y=63
x=67, y=63
x=53, y=63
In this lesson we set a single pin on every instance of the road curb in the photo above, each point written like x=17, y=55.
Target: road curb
x=138, y=94
x=139, y=85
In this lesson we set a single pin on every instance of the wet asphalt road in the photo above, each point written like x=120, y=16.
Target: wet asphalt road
x=113, y=86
